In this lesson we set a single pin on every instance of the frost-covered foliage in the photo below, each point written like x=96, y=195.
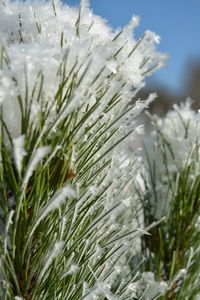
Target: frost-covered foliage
x=66, y=82
x=46, y=49
x=173, y=146
x=170, y=186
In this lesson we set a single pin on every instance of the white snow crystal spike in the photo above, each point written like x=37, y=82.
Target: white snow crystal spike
x=73, y=268
x=134, y=22
x=54, y=253
x=151, y=98
x=143, y=231
x=9, y=221
x=55, y=202
x=8, y=224
x=39, y=154
x=58, y=147
x=85, y=3
x=19, y=152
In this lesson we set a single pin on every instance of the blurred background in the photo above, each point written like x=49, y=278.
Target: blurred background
x=177, y=22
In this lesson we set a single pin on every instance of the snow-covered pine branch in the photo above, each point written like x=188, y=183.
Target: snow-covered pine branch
x=67, y=85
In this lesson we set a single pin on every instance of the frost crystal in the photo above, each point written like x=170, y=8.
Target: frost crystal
x=37, y=157
x=153, y=288
x=19, y=151
x=52, y=255
x=55, y=202
x=91, y=48
x=72, y=269
x=69, y=81
x=178, y=137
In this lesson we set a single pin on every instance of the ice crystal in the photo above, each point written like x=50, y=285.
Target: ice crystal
x=172, y=147
x=89, y=48
x=68, y=93
x=37, y=157
x=52, y=255
x=19, y=151
x=54, y=203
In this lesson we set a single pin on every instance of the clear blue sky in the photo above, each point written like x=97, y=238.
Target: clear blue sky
x=176, y=21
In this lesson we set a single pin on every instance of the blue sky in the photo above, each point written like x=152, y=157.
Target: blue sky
x=176, y=21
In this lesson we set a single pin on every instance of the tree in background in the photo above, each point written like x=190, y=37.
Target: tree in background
x=192, y=81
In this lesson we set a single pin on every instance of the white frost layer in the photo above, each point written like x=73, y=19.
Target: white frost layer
x=55, y=202
x=42, y=45
x=39, y=154
x=36, y=41
x=19, y=151
x=180, y=130
x=55, y=252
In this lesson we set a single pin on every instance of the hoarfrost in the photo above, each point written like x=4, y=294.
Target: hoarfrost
x=19, y=151
x=37, y=157
x=89, y=48
x=52, y=255
x=73, y=268
x=43, y=51
x=8, y=224
x=100, y=289
x=153, y=288
x=178, y=133
x=54, y=203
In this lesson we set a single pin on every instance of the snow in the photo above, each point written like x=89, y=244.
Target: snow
x=54, y=203
x=51, y=256
x=44, y=49
x=36, y=157
x=19, y=151
x=8, y=224
x=180, y=128
x=95, y=46
x=73, y=268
